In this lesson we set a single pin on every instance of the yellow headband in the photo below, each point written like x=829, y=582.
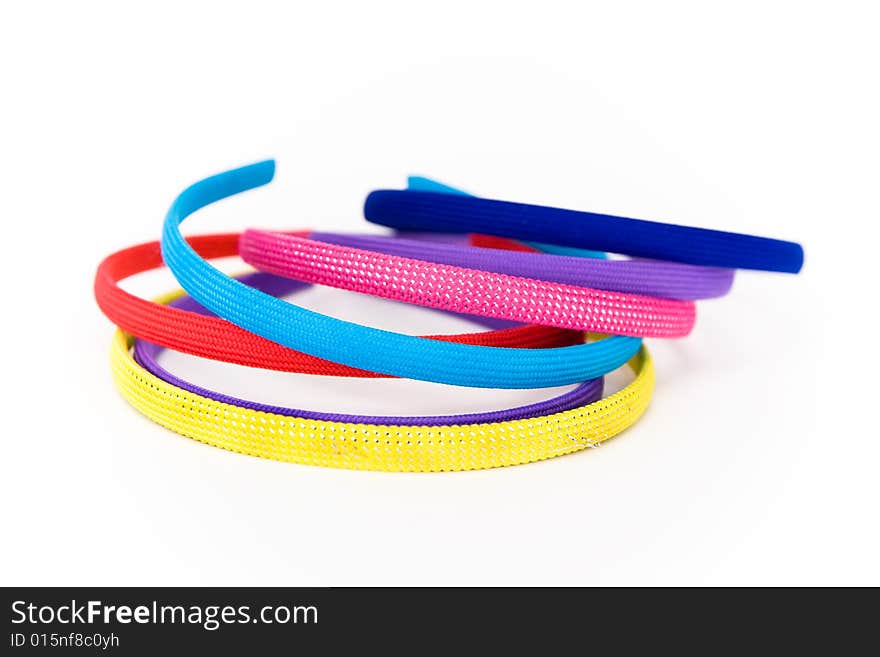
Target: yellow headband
x=394, y=448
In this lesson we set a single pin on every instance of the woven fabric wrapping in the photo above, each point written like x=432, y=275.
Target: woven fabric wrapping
x=211, y=337
x=654, y=279
x=391, y=447
x=147, y=353
x=537, y=266
x=360, y=346
x=461, y=289
x=452, y=213
x=422, y=184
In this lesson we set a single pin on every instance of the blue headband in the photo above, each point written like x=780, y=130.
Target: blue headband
x=441, y=211
x=422, y=184
x=360, y=346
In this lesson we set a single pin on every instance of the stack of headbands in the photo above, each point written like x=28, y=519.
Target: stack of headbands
x=556, y=310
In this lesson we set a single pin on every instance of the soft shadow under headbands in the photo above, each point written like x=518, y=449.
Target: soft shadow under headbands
x=413, y=210
x=342, y=342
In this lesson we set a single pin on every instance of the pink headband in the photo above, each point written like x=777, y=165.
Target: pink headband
x=464, y=290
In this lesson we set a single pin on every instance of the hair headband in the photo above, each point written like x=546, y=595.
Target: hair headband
x=657, y=279
x=390, y=447
x=339, y=341
x=190, y=331
x=460, y=289
x=455, y=213
x=422, y=184
x=146, y=354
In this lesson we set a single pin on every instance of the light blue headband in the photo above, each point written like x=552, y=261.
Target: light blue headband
x=360, y=346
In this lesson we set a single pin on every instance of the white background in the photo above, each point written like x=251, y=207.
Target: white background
x=757, y=460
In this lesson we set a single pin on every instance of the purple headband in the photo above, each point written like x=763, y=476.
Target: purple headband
x=646, y=277
x=146, y=354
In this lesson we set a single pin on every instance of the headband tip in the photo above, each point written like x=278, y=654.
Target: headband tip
x=265, y=169
x=423, y=184
x=795, y=260
x=800, y=258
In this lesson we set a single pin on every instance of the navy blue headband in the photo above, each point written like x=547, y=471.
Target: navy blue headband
x=449, y=213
